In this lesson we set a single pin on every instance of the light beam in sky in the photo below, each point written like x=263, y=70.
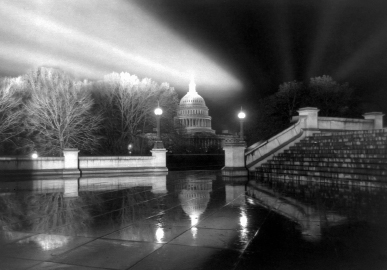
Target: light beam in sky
x=91, y=38
x=283, y=40
x=330, y=16
x=376, y=44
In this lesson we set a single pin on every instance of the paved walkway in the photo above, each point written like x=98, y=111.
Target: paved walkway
x=196, y=221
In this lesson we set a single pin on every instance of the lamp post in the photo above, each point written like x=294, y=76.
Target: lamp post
x=158, y=143
x=158, y=113
x=241, y=116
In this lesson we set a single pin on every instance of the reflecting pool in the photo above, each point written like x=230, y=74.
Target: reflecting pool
x=191, y=220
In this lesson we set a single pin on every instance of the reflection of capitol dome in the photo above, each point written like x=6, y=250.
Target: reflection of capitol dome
x=192, y=113
x=194, y=197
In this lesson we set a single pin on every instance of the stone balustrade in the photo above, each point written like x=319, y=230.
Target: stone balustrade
x=71, y=164
x=308, y=124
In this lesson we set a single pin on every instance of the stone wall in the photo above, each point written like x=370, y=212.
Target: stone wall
x=71, y=164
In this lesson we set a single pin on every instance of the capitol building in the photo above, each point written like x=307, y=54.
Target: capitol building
x=194, y=121
x=192, y=113
x=194, y=125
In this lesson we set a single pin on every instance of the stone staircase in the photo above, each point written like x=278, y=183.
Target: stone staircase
x=340, y=156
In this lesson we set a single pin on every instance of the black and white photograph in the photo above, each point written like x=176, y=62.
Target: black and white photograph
x=193, y=134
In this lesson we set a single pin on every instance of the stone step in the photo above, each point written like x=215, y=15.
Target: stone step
x=334, y=169
x=341, y=156
x=348, y=136
x=337, y=147
x=331, y=159
x=345, y=139
x=354, y=133
x=341, y=144
x=382, y=165
x=285, y=156
x=339, y=175
x=303, y=178
x=337, y=151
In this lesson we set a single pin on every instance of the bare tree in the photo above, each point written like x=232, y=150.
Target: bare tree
x=60, y=112
x=10, y=108
x=127, y=104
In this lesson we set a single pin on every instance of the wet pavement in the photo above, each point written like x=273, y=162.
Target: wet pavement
x=191, y=220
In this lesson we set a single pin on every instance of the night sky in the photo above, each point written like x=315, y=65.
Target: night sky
x=267, y=43
x=239, y=50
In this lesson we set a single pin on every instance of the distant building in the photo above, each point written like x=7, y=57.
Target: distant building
x=192, y=113
x=194, y=121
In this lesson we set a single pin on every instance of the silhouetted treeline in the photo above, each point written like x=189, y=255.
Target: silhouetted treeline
x=274, y=113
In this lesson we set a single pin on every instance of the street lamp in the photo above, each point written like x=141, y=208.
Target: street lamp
x=158, y=113
x=34, y=155
x=241, y=116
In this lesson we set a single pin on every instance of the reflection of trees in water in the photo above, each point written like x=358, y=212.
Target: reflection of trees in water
x=129, y=205
x=11, y=212
x=53, y=212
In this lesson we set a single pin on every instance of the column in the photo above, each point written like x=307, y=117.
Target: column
x=70, y=161
x=311, y=117
x=377, y=117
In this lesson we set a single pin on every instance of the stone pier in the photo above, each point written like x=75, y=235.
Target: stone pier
x=235, y=159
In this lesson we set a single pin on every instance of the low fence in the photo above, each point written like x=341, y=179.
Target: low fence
x=71, y=164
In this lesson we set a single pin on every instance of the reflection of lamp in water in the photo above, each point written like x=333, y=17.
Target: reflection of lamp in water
x=159, y=234
x=243, y=222
x=243, y=219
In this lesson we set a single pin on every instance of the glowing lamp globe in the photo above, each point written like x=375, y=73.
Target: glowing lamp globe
x=241, y=115
x=34, y=155
x=158, y=111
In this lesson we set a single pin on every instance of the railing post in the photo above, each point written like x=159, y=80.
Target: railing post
x=234, y=163
x=160, y=158
x=377, y=117
x=311, y=122
x=70, y=161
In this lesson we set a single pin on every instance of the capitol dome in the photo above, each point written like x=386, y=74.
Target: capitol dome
x=192, y=98
x=192, y=113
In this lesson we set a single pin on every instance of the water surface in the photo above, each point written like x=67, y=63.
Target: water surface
x=190, y=220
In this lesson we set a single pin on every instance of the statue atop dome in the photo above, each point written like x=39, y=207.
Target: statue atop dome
x=192, y=85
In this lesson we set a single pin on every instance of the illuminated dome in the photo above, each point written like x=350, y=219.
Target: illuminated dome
x=193, y=113
x=192, y=98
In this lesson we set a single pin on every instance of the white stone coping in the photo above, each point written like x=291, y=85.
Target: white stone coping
x=281, y=137
x=29, y=158
x=117, y=158
x=338, y=119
